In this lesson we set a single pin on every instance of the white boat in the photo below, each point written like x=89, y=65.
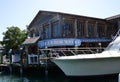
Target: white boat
x=107, y=62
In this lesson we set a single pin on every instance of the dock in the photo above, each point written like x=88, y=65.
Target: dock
x=42, y=68
x=41, y=61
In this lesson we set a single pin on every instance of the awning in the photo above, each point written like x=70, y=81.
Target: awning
x=59, y=42
x=68, y=42
x=96, y=40
x=32, y=40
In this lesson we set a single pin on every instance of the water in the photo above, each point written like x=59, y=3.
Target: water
x=53, y=77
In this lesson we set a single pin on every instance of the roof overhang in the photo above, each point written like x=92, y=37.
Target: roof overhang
x=32, y=40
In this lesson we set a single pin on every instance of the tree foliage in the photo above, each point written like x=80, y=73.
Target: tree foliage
x=13, y=37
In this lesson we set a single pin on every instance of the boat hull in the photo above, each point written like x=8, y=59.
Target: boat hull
x=89, y=67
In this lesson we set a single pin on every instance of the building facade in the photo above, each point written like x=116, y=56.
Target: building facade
x=55, y=25
x=60, y=30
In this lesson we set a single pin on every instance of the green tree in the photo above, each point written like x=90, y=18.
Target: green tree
x=13, y=37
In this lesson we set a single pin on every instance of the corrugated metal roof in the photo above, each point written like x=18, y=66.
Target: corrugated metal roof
x=31, y=40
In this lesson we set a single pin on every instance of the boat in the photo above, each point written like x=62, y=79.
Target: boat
x=104, y=63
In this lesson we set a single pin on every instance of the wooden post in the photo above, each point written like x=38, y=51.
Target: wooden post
x=75, y=25
x=86, y=28
x=26, y=50
x=21, y=66
x=46, y=64
x=60, y=26
x=21, y=70
x=10, y=55
x=96, y=29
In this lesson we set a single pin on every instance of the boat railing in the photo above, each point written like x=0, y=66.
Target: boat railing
x=56, y=52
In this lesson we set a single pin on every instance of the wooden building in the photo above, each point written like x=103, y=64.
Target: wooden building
x=60, y=30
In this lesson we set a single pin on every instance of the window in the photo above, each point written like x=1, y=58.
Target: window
x=101, y=30
x=80, y=29
x=37, y=32
x=32, y=33
x=48, y=31
x=56, y=29
x=68, y=29
x=91, y=27
x=41, y=33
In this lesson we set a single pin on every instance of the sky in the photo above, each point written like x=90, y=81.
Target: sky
x=21, y=12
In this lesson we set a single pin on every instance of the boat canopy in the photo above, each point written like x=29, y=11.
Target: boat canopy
x=67, y=42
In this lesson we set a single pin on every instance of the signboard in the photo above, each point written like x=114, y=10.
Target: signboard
x=59, y=42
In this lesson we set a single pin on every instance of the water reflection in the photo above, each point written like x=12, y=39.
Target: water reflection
x=53, y=78
x=13, y=78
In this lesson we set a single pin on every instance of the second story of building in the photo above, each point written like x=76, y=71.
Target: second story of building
x=52, y=25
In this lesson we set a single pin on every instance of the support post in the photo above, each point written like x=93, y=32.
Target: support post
x=46, y=68
x=46, y=64
x=75, y=25
x=96, y=29
x=10, y=57
x=86, y=29
x=21, y=70
x=21, y=66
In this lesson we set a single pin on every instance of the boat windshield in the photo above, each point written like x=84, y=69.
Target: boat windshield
x=113, y=46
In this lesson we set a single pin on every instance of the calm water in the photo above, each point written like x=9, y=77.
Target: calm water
x=53, y=77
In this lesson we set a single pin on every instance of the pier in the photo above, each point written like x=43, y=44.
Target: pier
x=42, y=62
x=19, y=67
